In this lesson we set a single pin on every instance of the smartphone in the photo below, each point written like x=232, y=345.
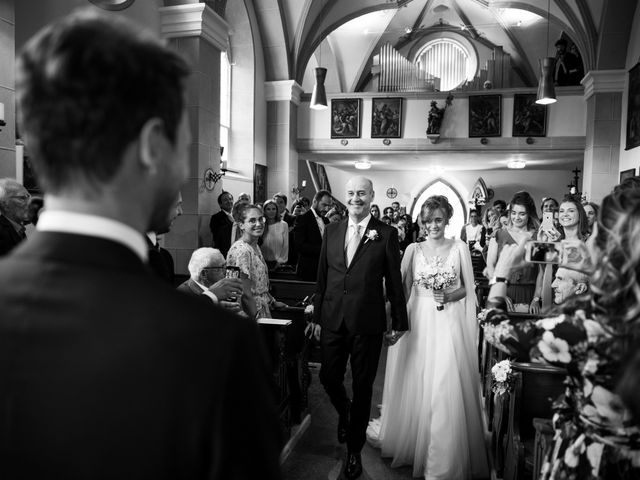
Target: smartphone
x=232, y=272
x=547, y=221
x=543, y=252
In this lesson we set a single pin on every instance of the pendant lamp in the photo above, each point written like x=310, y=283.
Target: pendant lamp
x=546, y=88
x=319, y=95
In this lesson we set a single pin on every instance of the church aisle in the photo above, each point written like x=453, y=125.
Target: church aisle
x=319, y=456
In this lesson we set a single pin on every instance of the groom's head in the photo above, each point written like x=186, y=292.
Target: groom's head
x=359, y=197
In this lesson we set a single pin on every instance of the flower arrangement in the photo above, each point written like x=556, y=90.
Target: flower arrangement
x=371, y=235
x=437, y=276
x=502, y=376
x=595, y=435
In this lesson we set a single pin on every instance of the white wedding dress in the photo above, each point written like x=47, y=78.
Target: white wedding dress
x=431, y=414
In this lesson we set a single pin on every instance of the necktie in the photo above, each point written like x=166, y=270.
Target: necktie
x=353, y=244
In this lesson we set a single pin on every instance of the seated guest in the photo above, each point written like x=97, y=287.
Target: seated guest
x=594, y=339
x=474, y=233
x=106, y=372
x=221, y=223
x=281, y=200
x=14, y=213
x=246, y=255
x=207, y=269
x=568, y=283
x=307, y=234
x=275, y=239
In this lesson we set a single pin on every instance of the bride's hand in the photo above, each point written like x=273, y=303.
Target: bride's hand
x=441, y=297
x=390, y=338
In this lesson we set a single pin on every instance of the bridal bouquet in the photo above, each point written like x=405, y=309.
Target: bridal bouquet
x=437, y=276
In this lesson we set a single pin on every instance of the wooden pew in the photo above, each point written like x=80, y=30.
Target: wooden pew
x=291, y=292
x=536, y=386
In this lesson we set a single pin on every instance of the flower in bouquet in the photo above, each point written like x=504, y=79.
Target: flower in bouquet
x=502, y=376
x=436, y=276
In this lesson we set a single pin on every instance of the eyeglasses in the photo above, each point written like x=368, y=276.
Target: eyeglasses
x=22, y=198
x=214, y=268
x=253, y=221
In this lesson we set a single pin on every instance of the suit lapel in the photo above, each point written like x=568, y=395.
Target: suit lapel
x=337, y=242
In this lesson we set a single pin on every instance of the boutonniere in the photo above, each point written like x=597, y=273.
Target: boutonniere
x=372, y=235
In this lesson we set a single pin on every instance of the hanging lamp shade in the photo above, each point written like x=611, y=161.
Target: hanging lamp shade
x=319, y=95
x=546, y=89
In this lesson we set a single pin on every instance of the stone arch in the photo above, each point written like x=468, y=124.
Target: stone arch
x=440, y=186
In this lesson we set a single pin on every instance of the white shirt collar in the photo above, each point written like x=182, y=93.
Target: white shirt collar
x=93, y=226
x=363, y=223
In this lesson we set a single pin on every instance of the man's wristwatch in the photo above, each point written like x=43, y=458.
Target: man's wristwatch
x=495, y=280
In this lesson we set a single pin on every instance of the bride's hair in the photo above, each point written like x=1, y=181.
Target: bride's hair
x=433, y=203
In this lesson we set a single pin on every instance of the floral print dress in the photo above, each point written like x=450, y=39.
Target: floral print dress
x=595, y=436
x=251, y=262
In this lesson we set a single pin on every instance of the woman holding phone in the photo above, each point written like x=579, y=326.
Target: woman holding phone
x=246, y=255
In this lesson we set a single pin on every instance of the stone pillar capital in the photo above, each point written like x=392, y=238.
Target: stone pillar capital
x=283, y=90
x=194, y=20
x=599, y=81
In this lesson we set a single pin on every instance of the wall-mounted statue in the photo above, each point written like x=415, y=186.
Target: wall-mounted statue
x=436, y=115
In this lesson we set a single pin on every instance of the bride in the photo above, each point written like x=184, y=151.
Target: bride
x=431, y=415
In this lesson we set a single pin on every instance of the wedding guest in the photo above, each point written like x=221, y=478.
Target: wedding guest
x=14, y=214
x=275, y=239
x=306, y=203
x=549, y=205
x=207, y=277
x=594, y=340
x=160, y=260
x=297, y=208
x=36, y=204
x=334, y=215
x=222, y=222
x=522, y=226
x=114, y=374
x=474, y=233
x=281, y=200
x=246, y=255
x=308, y=232
x=236, y=233
x=386, y=219
x=491, y=222
x=592, y=209
x=375, y=211
x=499, y=206
x=244, y=197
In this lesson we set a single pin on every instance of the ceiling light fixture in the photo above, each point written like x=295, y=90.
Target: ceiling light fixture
x=546, y=89
x=516, y=164
x=362, y=164
x=319, y=95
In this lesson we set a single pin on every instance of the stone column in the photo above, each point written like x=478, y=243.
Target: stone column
x=7, y=89
x=283, y=98
x=199, y=34
x=603, y=94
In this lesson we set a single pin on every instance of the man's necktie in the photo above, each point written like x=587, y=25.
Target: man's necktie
x=353, y=244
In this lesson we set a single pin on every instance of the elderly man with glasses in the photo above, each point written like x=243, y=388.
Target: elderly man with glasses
x=207, y=268
x=14, y=214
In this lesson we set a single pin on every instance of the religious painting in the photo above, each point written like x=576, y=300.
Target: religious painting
x=259, y=183
x=345, y=117
x=485, y=115
x=633, y=108
x=386, y=118
x=627, y=174
x=529, y=118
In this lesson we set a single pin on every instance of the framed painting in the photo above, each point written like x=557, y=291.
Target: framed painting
x=485, y=115
x=627, y=174
x=529, y=118
x=345, y=117
x=633, y=109
x=386, y=118
x=259, y=183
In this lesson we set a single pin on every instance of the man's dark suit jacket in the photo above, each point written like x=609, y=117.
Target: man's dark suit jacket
x=190, y=287
x=106, y=372
x=9, y=238
x=161, y=262
x=354, y=295
x=220, y=225
x=308, y=241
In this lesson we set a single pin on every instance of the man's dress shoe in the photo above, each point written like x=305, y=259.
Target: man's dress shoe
x=353, y=466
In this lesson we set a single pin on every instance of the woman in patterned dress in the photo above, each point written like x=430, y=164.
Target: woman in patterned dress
x=246, y=255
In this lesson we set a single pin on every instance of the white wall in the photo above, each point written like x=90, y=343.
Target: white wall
x=630, y=158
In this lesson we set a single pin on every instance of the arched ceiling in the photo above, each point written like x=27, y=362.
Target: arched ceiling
x=349, y=33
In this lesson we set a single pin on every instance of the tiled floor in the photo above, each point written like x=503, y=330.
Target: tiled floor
x=318, y=455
